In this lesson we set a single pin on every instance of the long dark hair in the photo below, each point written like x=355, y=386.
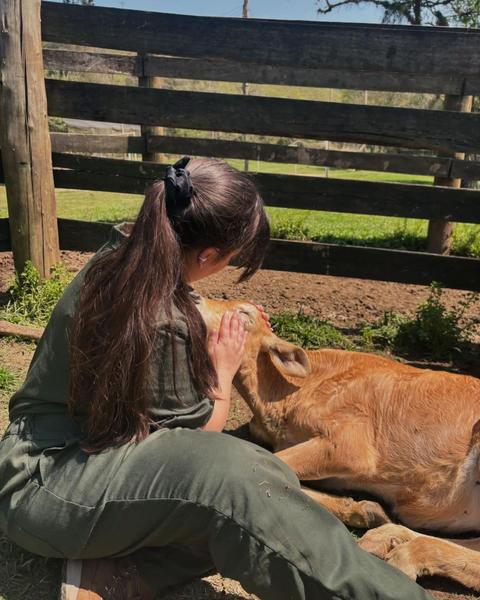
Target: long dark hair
x=113, y=333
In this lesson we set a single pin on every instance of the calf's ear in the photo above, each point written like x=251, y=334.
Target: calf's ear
x=289, y=359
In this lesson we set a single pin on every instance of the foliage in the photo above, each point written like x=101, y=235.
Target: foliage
x=434, y=331
x=417, y=12
x=383, y=333
x=308, y=332
x=33, y=298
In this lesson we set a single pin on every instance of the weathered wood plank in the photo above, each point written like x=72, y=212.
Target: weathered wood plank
x=228, y=70
x=97, y=143
x=324, y=259
x=310, y=193
x=328, y=259
x=91, y=62
x=436, y=130
x=374, y=263
x=303, y=155
x=21, y=331
x=84, y=236
x=302, y=44
x=24, y=138
x=349, y=79
x=440, y=232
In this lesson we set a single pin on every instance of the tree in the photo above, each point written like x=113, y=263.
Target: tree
x=417, y=12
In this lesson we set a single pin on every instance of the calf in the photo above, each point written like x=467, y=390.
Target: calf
x=355, y=421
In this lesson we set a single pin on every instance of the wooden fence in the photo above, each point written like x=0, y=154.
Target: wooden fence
x=336, y=55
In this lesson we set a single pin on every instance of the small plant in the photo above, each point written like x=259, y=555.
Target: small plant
x=8, y=380
x=308, y=332
x=435, y=330
x=383, y=333
x=33, y=298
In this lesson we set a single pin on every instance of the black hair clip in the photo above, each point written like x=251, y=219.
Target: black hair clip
x=178, y=187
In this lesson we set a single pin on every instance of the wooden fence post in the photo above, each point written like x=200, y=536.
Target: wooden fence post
x=148, y=130
x=24, y=138
x=440, y=232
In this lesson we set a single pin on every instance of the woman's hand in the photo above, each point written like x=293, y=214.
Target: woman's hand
x=264, y=315
x=227, y=345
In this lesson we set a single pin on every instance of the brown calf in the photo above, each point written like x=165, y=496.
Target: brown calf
x=356, y=421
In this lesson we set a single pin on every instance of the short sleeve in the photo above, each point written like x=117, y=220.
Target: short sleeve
x=174, y=400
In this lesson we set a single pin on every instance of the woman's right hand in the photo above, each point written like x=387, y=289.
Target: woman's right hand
x=227, y=345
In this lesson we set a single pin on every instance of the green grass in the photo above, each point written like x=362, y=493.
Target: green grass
x=33, y=299
x=308, y=332
x=7, y=380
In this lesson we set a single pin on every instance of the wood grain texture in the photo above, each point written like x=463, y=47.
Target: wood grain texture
x=440, y=231
x=293, y=154
x=303, y=44
x=24, y=137
x=414, y=128
x=22, y=331
x=303, y=192
x=91, y=143
x=327, y=77
x=236, y=71
x=323, y=259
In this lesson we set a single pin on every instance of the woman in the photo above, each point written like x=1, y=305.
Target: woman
x=114, y=447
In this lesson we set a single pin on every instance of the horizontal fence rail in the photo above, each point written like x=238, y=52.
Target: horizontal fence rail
x=288, y=191
x=446, y=57
x=149, y=65
x=310, y=54
x=310, y=257
x=414, y=128
x=293, y=154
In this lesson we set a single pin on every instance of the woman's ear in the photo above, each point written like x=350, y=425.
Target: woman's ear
x=290, y=360
x=207, y=254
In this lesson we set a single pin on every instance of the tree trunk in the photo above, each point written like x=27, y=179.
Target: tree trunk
x=24, y=138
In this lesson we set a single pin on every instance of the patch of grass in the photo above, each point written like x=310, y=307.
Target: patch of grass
x=435, y=331
x=8, y=380
x=339, y=228
x=32, y=298
x=308, y=332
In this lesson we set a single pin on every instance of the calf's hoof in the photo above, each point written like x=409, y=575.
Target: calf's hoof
x=367, y=515
x=412, y=558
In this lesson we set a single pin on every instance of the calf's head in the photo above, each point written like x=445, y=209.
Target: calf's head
x=288, y=359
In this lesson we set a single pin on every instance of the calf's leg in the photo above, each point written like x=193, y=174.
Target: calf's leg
x=318, y=458
x=363, y=514
x=416, y=554
x=425, y=555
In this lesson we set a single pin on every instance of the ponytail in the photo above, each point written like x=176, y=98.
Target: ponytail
x=127, y=289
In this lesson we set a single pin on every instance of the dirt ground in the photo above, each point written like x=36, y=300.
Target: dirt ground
x=343, y=302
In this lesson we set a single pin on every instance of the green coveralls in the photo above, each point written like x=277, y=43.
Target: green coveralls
x=183, y=501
